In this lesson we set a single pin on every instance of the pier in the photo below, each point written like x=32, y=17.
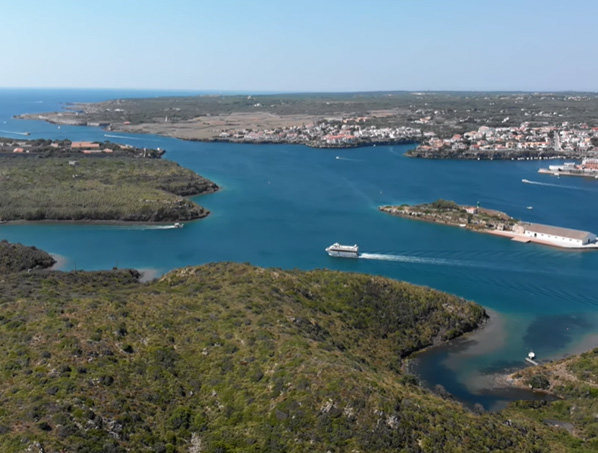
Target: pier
x=530, y=359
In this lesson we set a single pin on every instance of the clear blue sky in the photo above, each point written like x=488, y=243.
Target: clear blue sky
x=302, y=45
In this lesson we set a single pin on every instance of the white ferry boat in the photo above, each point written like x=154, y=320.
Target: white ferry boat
x=343, y=251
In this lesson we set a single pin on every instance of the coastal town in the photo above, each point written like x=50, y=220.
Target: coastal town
x=550, y=141
x=523, y=142
x=345, y=133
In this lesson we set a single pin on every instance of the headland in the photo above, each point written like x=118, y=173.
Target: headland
x=18, y=258
x=45, y=180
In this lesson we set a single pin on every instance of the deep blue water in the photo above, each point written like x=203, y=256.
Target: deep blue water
x=281, y=205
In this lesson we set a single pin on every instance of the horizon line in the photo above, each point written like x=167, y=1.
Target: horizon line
x=271, y=92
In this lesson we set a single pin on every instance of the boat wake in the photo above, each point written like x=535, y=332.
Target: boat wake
x=141, y=227
x=14, y=132
x=121, y=136
x=347, y=159
x=430, y=261
x=547, y=184
x=164, y=227
x=414, y=259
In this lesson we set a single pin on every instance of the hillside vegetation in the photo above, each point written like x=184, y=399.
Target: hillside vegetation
x=229, y=357
x=17, y=258
x=121, y=189
x=450, y=213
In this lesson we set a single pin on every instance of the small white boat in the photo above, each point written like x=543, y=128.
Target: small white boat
x=177, y=225
x=343, y=251
x=525, y=181
x=530, y=207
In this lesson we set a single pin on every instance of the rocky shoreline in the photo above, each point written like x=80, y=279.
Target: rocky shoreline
x=504, y=154
x=310, y=144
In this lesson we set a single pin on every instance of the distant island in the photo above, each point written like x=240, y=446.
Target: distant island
x=440, y=125
x=494, y=222
x=92, y=181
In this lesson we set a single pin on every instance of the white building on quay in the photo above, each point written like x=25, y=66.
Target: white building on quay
x=557, y=236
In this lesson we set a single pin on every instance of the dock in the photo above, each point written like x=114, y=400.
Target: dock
x=530, y=358
x=524, y=240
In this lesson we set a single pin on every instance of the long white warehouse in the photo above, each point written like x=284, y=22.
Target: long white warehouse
x=563, y=237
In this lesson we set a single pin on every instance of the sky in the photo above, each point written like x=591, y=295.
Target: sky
x=301, y=45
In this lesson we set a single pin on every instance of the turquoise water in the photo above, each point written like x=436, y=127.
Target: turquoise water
x=281, y=205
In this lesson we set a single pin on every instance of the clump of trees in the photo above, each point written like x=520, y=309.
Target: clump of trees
x=445, y=205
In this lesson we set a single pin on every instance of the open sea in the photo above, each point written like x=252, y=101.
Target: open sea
x=281, y=205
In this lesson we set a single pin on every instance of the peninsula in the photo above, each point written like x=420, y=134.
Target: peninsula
x=440, y=125
x=85, y=181
x=18, y=257
x=494, y=222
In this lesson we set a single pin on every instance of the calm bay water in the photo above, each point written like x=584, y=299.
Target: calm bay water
x=281, y=205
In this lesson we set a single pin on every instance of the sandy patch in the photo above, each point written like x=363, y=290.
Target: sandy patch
x=148, y=274
x=61, y=262
x=488, y=339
